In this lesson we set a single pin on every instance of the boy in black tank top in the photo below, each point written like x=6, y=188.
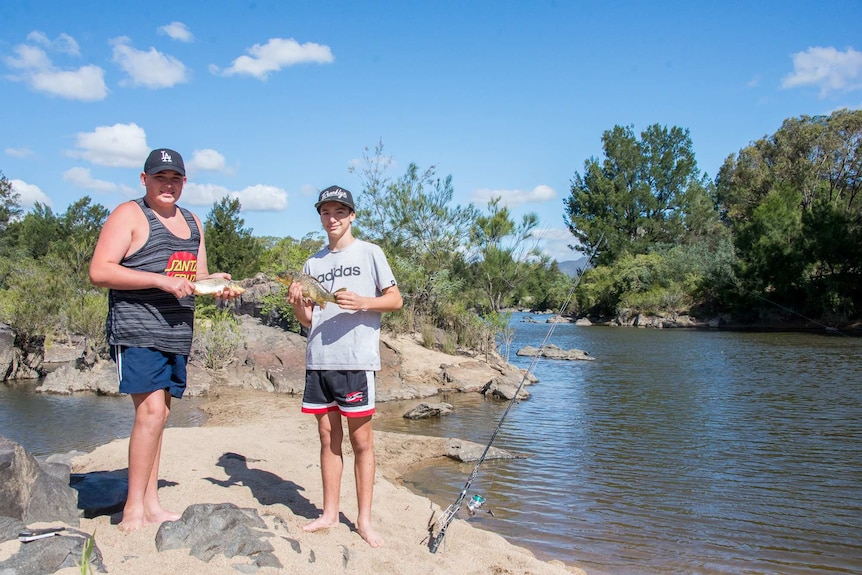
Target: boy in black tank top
x=148, y=254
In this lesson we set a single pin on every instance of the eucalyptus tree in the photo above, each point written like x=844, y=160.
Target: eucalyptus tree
x=412, y=218
x=501, y=253
x=794, y=204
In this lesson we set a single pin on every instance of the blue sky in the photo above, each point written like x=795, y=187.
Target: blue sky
x=271, y=101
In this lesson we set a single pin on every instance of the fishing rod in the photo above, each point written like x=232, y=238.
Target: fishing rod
x=448, y=515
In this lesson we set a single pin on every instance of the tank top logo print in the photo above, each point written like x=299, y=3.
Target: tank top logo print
x=182, y=265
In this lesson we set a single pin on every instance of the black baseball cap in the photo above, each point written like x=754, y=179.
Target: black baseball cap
x=335, y=194
x=162, y=159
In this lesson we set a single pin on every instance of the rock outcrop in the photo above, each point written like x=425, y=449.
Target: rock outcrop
x=273, y=360
x=33, y=492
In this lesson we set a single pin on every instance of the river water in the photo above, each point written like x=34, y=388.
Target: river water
x=675, y=451
x=44, y=423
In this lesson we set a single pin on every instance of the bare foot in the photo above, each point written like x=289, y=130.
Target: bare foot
x=130, y=524
x=161, y=516
x=319, y=524
x=371, y=536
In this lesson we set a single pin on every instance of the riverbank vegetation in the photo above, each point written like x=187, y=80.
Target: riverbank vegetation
x=778, y=229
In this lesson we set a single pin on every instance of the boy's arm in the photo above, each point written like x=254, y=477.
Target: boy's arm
x=389, y=300
x=124, y=227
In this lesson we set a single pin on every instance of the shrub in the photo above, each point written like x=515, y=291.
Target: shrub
x=217, y=338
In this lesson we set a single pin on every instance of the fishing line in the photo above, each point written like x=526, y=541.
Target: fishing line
x=449, y=513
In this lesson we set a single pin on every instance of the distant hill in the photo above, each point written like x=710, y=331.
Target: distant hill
x=571, y=267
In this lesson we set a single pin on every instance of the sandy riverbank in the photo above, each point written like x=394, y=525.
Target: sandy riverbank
x=280, y=478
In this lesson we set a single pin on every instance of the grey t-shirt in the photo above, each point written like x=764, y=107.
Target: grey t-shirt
x=346, y=339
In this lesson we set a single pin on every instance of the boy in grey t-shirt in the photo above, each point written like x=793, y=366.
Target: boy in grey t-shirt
x=344, y=352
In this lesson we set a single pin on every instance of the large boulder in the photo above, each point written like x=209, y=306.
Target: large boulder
x=209, y=529
x=7, y=351
x=69, y=378
x=32, y=494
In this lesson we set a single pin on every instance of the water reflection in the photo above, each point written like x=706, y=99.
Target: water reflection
x=673, y=452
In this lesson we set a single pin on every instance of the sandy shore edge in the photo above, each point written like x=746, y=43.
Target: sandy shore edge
x=256, y=450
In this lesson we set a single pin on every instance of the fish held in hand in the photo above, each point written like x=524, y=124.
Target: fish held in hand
x=311, y=288
x=212, y=286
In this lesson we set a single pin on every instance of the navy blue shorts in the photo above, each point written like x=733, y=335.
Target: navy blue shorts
x=350, y=392
x=144, y=369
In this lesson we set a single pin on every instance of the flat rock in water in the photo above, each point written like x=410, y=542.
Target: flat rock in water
x=551, y=351
x=467, y=451
x=429, y=410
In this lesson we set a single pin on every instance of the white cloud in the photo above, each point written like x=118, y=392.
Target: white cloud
x=203, y=194
x=826, y=68
x=206, y=160
x=120, y=145
x=81, y=178
x=262, y=198
x=276, y=54
x=555, y=243
x=29, y=194
x=150, y=69
x=177, y=31
x=29, y=58
x=18, y=152
x=512, y=198
x=86, y=83
x=63, y=43
x=257, y=198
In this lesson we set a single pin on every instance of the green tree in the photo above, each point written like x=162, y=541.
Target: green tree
x=290, y=254
x=423, y=235
x=646, y=191
x=544, y=287
x=10, y=207
x=501, y=252
x=33, y=302
x=413, y=213
x=286, y=254
x=231, y=247
x=33, y=234
x=794, y=205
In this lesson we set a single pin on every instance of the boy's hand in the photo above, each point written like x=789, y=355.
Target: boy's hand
x=351, y=300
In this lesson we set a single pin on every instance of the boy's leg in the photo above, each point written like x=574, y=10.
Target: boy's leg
x=331, y=467
x=145, y=444
x=362, y=440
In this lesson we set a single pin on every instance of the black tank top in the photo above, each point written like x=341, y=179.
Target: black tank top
x=152, y=317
